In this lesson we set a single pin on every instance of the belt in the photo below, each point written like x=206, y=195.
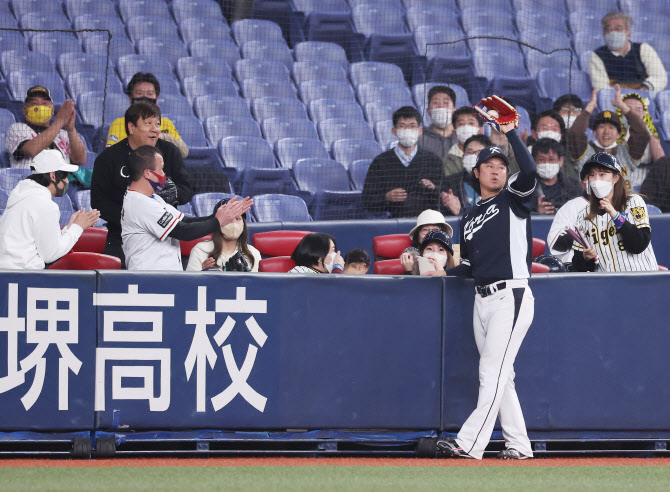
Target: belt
x=487, y=290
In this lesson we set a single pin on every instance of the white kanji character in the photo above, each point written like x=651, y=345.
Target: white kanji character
x=13, y=325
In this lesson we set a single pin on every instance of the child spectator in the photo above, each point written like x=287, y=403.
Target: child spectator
x=357, y=262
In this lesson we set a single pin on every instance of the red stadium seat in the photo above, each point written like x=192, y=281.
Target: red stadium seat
x=87, y=261
x=390, y=246
x=281, y=264
x=539, y=246
x=187, y=246
x=277, y=243
x=389, y=267
x=538, y=268
x=91, y=241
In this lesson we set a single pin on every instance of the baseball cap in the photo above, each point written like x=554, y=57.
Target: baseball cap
x=51, y=160
x=489, y=152
x=602, y=159
x=38, y=91
x=438, y=236
x=607, y=117
x=430, y=217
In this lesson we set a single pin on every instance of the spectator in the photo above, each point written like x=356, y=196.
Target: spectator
x=558, y=239
x=656, y=186
x=607, y=129
x=438, y=248
x=145, y=87
x=30, y=233
x=550, y=124
x=466, y=124
x=25, y=140
x=568, y=106
x=317, y=253
x=639, y=106
x=357, y=262
x=439, y=137
x=633, y=65
x=429, y=220
x=110, y=171
x=555, y=187
x=403, y=181
x=228, y=250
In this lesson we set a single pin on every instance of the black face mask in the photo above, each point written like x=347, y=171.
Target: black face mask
x=144, y=99
x=60, y=192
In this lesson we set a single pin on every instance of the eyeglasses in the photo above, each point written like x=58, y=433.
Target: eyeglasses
x=573, y=110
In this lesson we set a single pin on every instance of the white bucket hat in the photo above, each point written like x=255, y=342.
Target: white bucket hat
x=431, y=217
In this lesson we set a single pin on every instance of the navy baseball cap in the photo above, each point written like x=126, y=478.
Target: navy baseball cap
x=602, y=159
x=38, y=91
x=438, y=236
x=489, y=152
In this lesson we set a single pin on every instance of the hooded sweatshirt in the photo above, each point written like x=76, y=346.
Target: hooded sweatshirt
x=30, y=233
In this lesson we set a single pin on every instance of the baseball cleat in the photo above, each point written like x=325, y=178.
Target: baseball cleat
x=451, y=449
x=512, y=454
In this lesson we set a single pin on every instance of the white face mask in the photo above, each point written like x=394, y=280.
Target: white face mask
x=610, y=146
x=601, y=188
x=407, y=137
x=232, y=231
x=469, y=162
x=329, y=266
x=440, y=116
x=466, y=131
x=615, y=40
x=441, y=259
x=568, y=120
x=549, y=134
x=548, y=170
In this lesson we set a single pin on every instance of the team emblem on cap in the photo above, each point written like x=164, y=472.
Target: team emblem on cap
x=607, y=114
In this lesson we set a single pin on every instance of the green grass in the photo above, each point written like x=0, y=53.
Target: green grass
x=340, y=478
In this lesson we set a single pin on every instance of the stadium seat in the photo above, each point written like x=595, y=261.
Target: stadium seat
x=90, y=107
x=268, y=50
x=539, y=268
x=203, y=86
x=66, y=208
x=12, y=40
x=214, y=105
x=75, y=8
x=309, y=6
x=262, y=181
x=334, y=129
x=203, y=203
x=358, y=170
x=6, y=119
x=383, y=133
x=246, y=153
x=4, y=197
x=10, y=177
x=325, y=89
x=14, y=60
x=586, y=5
x=266, y=87
x=398, y=49
x=86, y=261
x=190, y=129
x=215, y=49
x=310, y=70
x=187, y=246
x=547, y=40
x=277, y=243
x=318, y=51
x=218, y=127
x=388, y=267
x=449, y=5
x=539, y=20
x=663, y=101
x=452, y=47
x=98, y=43
x=69, y=63
x=474, y=17
x=130, y=9
x=323, y=109
x=278, y=107
x=554, y=83
x=203, y=28
x=315, y=175
x=20, y=81
x=539, y=246
x=170, y=50
x=200, y=66
x=536, y=61
x=390, y=245
x=338, y=205
x=291, y=150
x=129, y=65
x=92, y=240
x=255, y=69
x=21, y=7
x=54, y=20
x=108, y=22
x=377, y=72
x=277, y=264
x=202, y=9
x=186, y=209
x=378, y=19
x=82, y=82
x=173, y=105
x=53, y=44
x=247, y=30
x=586, y=41
x=280, y=208
x=347, y=151
x=150, y=26
x=383, y=93
x=653, y=209
x=432, y=15
x=278, y=128
x=539, y=5
x=375, y=112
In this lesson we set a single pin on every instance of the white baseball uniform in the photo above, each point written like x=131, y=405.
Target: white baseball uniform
x=21, y=132
x=566, y=217
x=146, y=222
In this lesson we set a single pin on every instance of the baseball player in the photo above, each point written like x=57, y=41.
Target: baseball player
x=496, y=248
x=613, y=233
x=150, y=228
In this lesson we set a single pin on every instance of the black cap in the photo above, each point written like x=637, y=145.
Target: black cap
x=607, y=117
x=438, y=236
x=223, y=202
x=489, y=152
x=38, y=91
x=602, y=159
x=554, y=264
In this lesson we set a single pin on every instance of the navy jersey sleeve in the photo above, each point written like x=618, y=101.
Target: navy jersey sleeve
x=464, y=269
x=524, y=184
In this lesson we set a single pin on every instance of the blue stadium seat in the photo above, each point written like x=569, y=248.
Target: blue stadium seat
x=12, y=40
x=492, y=63
x=538, y=20
x=541, y=5
x=588, y=41
x=246, y=30
x=319, y=51
x=98, y=44
x=66, y=209
x=262, y=87
x=202, y=86
x=260, y=181
x=338, y=205
x=377, y=3
x=420, y=91
x=662, y=101
x=380, y=73
x=69, y=63
x=382, y=93
x=171, y=50
x=334, y=129
x=653, y=209
x=200, y=66
x=396, y=48
x=375, y=112
x=425, y=35
x=449, y=5
x=81, y=82
x=173, y=105
x=493, y=43
x=53, y=44
x=202, y=9
x=525, y=122
x=20, y=81
x=190, y=129
x=308, y=70
x=475, y=17
x=130, y=9
x=291, y=150
x=203, y=203
x=278, y=107
x=22, y=7
x=6, y=119
x=92, y=21
x=10, y=177
x=587, y=21
x=215, y=105
x=280, y=208
x=75, y=8
x=4, y=197
x=243, y=153
x=218, y=127
x=258, y=69
x=325, y=89
x=587, y=5
x=204, y=28
x=14, y=60
x=649, y=23
x=90, y=107
x=82, y=201
x=349, y=150
x=146, y=26
x=383, y=133
x=43, y=20
x=432, y=15
x=129, y=65
x=187, y=209
x=536, y=61
x=216, y=49
x=315, y=174
x=358, y=171
x=554, y=83
x=267, y=50
x=378, y=19
x=546, y=40
x=323, y=109
x=309, y=6
x=278, y=128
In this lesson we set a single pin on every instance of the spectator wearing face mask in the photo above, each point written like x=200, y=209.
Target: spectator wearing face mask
x=568, y=106
x=438, y=248
x=639, y=106
x=317, y=253
x=439, y=137
x=357, y=262
x=427, y=221
x=619, y=61
x=145, y=87
x=555, y=187
x=550, y=124
x=404, y=180
x=606, y=130
x=466, y=123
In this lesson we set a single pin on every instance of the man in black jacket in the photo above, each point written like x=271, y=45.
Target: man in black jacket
x=403, y=181
x=110, y=172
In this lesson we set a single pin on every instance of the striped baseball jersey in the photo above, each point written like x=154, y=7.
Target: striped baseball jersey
x=601, y=233
x=633, y=172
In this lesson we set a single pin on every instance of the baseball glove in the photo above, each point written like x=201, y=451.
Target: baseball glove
x=498, y=112
x=169, y=193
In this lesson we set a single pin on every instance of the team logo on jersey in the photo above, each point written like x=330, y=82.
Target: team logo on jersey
x=639, y=213
x=165, y=219
x=476, y=223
